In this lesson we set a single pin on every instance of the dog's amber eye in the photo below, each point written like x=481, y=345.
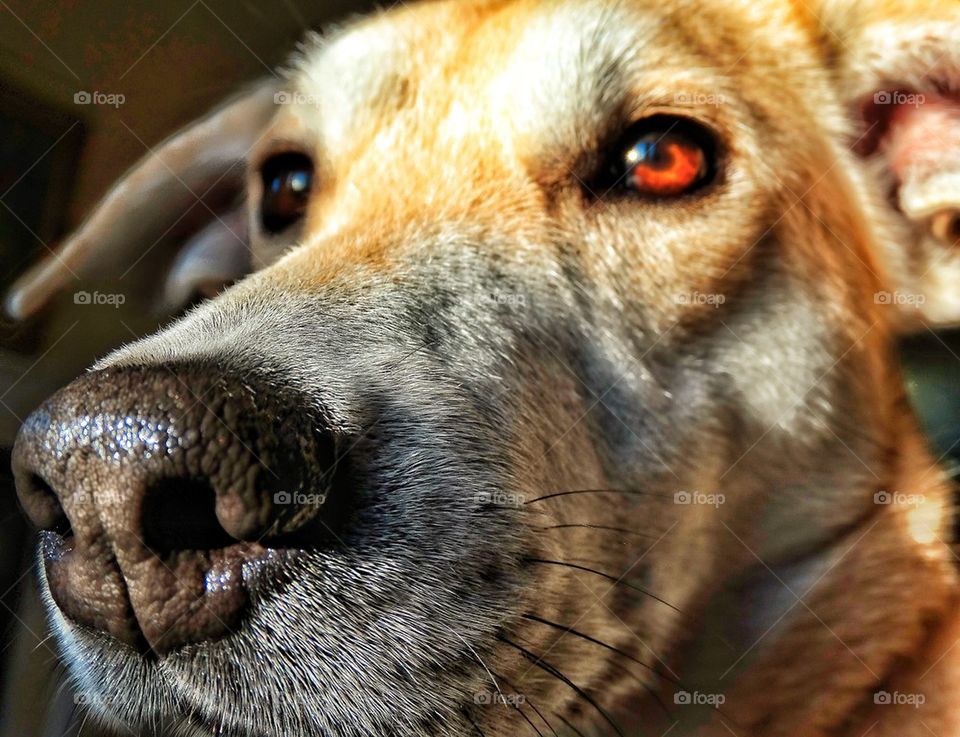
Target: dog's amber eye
x=663, y=157
x=664, y=164
x=287, y=179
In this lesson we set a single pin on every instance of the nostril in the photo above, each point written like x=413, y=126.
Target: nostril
x=169, y=498
x=43, y=505
x=180, y=514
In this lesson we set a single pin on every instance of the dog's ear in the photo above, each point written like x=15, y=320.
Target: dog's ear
x=187, y=188
x=897, y=64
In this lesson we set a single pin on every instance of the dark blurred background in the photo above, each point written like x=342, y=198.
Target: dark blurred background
x=170, y=61
x=59, y=151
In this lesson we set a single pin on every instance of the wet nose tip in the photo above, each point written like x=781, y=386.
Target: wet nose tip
x=154, y=487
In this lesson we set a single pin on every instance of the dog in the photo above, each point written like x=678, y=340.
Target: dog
x=554, y=390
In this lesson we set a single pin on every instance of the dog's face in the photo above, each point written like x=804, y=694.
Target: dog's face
x=564, y=313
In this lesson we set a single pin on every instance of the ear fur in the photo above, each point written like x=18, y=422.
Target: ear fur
x=203, y=163
x=897, y=67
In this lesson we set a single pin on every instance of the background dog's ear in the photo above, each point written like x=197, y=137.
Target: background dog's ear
x=188, y=188
x=898, y=67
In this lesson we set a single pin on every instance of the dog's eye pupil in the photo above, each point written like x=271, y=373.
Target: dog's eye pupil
x=664, y=157
x=295, y=183
x=664, y=165
x=287, y=180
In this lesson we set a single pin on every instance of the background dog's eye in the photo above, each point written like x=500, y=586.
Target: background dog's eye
x=664, y=156
x=287, y=179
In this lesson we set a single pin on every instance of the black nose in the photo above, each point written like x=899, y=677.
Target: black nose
x=158, y=487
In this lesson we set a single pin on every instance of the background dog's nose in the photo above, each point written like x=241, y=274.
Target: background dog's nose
x=155, y=486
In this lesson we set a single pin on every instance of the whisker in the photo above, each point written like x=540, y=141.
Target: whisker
x=531, y=704
x=627, y=492
x=83, y=723
x=528, y=720
x=40, y=644
x=595, y=641
x=603, y=575
x=508, y=704
x=653, y=694
x=479, y=660
x=613, y=664
x=547, y=668
x=623, y=530
x=586, y=561
x=475, y=725
x=568, y=725
x=646, y=687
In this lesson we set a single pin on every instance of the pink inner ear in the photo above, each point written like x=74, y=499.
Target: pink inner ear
x=919, y=136
x=923, y=137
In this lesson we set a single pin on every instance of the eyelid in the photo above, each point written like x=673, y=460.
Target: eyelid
x=286, y=132
x=275, y=147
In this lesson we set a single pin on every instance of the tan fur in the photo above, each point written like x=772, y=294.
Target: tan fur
x=891, y=596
